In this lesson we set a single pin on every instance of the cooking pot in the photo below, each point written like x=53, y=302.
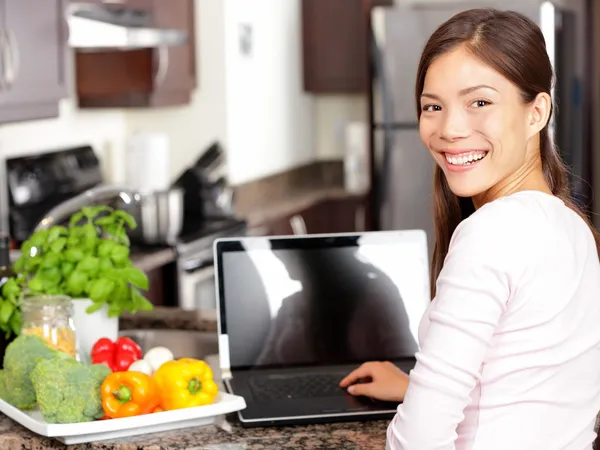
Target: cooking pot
x=159, y=215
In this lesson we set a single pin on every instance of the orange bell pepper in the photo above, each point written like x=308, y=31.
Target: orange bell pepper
x=126, y=394
x=185, y=383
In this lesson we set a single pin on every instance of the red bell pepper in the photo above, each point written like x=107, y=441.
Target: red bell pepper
x=118, y=355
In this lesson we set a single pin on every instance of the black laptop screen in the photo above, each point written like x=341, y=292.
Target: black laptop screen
x=313, y=301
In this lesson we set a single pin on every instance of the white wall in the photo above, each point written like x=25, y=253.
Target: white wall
x=331, y=115
x=269, y=117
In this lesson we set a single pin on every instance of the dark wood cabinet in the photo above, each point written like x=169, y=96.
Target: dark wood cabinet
x=33, y=46
x=331, y=215
x=338, y=215
x=336, y=41
x=141, y=77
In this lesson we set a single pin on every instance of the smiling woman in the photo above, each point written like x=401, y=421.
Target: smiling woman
x=510, y=345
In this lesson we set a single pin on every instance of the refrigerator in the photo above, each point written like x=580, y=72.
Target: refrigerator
x=402, y=173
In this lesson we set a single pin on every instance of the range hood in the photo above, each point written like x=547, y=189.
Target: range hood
x=97, y=27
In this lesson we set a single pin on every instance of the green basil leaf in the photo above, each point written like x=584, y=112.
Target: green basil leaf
x=6, y=310
x=140, y=302
x=16, y=322
x=76, y=283
x=94, y=307
x=136, y=277
x=11, y=288
x=58, y=245
x=50, y=260
x=127, y=218
x=106, y=247
x=104, y=221
x=75, y=218
x=101, y=290
x=106, y=265
x=74, y=255
x=35, y=285
x=119, y=254
x=67, y=268
x=38, y=239
x=114, y=310
x=89, y=264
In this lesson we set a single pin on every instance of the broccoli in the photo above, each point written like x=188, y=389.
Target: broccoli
x=69, y=391
x=21, y=357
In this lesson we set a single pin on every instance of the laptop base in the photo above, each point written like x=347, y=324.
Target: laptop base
x=328, y=406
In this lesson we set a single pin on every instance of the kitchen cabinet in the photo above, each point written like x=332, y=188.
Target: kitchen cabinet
x=150, y=77
x=331, y=215
x=33, y=49
x=335, y=44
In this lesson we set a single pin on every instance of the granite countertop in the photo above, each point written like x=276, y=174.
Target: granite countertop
x=226, y=436
x=163, y=317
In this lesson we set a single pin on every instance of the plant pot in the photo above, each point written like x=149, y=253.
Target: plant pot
x=91, y=327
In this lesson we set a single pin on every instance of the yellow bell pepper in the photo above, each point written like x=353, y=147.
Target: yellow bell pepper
x=185, y=383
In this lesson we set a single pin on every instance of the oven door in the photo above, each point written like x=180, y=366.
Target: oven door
x=197, y=285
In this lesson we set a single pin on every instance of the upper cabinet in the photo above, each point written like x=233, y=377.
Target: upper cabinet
x=33, y=46
x=142, y=77
x=335, y=38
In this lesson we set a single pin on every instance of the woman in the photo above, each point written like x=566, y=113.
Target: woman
x=510, y=346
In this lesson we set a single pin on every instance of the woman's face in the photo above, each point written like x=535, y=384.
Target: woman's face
x=476, y=125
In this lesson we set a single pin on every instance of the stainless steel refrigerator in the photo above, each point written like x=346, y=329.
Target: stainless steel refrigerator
x=403, y=170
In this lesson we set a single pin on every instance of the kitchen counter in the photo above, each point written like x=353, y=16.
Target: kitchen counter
x=167, y=318
x=228, y=436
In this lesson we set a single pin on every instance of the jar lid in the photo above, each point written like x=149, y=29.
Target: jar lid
x=41, y=301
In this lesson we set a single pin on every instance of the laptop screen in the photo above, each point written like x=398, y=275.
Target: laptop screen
x=317, y=300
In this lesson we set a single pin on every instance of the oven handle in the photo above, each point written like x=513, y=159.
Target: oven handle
x=198, y=265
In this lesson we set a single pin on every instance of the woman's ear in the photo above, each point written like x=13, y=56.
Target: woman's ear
x=539, y=113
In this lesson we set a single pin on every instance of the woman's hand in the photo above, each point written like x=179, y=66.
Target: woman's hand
x=384, y=381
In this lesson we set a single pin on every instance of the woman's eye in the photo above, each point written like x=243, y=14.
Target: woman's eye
x=480, y=103
x=430, y=108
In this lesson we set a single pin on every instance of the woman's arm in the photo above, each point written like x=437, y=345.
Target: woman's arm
x=485, y=257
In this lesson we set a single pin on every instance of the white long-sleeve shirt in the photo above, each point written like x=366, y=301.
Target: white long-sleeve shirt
x=509, y=353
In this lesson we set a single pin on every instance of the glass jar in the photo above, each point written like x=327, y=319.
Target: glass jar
x=51, y=318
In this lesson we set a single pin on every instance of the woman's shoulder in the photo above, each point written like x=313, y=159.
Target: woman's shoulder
x=519, y=223
x=521, y=213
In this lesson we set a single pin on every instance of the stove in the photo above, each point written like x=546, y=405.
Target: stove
x=195, y=263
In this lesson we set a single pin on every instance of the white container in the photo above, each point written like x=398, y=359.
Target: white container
x=149, y=162
x=356, y=165
x=91, y=327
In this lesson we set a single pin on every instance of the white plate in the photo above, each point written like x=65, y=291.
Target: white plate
x=78, y=433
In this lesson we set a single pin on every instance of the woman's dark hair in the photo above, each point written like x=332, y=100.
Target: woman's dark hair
x=514, y=46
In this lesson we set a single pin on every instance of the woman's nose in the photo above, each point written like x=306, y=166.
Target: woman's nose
x=454, y=125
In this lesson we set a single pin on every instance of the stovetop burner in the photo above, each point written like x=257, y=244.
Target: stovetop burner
x=194, y=230
x=198, y=236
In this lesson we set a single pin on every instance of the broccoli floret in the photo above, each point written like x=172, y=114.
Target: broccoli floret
x=21, y=357
x=68, y=391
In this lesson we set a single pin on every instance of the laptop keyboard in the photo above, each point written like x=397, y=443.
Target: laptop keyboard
x=277, y=387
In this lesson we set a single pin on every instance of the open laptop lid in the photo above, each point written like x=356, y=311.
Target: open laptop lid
x=320, y=299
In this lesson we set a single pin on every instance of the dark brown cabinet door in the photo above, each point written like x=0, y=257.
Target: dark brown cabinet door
x=33, y=36
x=175, y=67
x=335, y=45
x=144, y=77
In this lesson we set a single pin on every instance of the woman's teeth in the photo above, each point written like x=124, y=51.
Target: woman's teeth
x=463, y=159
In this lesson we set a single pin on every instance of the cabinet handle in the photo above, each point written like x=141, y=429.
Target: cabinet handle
x=360, y=219
x=15, y=58
x=5, y=60
x=162, y=66
x=298, y=225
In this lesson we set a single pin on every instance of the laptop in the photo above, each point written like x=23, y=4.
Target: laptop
x=296, y=314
